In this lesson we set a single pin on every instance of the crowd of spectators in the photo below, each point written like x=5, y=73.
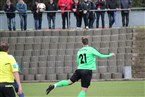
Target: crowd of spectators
x=87, y=10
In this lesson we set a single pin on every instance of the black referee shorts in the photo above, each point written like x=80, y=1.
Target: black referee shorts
x=84, y=75
x=6, y=91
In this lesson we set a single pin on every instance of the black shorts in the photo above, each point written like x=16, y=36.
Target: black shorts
x=7, y=92
x=84, y=75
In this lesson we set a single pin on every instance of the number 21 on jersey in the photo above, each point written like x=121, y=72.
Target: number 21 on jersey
x=83, y=58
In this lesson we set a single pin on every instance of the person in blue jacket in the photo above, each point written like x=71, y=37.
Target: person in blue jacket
x=22, y=10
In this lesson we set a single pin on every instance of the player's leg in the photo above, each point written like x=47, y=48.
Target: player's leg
x=86, y=76
x=59, y=84
x=75, y=77
x=83, y=92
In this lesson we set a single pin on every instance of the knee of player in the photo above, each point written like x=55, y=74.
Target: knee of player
x=70, y=82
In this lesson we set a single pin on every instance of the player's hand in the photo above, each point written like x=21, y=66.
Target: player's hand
x=20, y=90
x=113, y=54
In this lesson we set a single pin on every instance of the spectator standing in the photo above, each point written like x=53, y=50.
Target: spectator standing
x=22, y=10
x=100, y=5
x=9, y=8
x=8, y=72
x=65, y=5
x=76, y=8
x=86, y=6
x=37, y=15
x=125, y=4
x=51, y=6
x=111, y=4
x=91, y=14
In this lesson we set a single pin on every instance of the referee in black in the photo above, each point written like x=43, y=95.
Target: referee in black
x=8, y=72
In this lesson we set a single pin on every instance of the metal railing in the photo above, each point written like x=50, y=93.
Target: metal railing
x=59, y=11
x=72, y=20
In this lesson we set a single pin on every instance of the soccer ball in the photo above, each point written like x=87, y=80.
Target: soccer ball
x=41, y=7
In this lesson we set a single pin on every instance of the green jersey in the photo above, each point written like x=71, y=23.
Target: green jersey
x=86, y=58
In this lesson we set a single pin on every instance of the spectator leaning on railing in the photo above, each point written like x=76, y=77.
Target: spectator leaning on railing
x=86, y=6
x=9, y=8
x=51, y=6
x=65, y=5
x=125, y=4
x=76, y=8
x=91, y=14
x=111, y=4
x=100, y=5
x=37, y=15
x=22, y=10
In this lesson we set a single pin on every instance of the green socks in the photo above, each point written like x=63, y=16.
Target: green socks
x=82, y=94
x=65, y=83
x=61, y=83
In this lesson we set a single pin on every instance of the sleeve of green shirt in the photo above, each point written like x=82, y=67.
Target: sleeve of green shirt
x=95, y=52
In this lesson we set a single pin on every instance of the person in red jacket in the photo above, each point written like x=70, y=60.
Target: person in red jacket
x=76, y=8
x=65, y=5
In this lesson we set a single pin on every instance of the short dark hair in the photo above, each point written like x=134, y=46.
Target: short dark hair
x=4, y=46
x=85, y=41
x=37, y=1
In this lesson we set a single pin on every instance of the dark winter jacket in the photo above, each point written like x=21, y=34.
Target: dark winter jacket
x=78, y=7
x=10, y=11
x=111, y=4
x=92, y=7
x=35, y=14
x=125, y=4
x=86, y=6
x=51, y=7
x=101, y=4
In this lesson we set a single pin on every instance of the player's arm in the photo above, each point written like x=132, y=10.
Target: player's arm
x=17, y=78
x=97, y=53
x=15, y=70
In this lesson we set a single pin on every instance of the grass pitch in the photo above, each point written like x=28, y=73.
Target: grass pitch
x=97, y=89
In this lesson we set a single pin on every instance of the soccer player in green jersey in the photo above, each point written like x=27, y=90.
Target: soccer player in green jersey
x=86, y=60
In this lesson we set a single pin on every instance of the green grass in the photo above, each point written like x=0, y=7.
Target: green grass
x=140, y=27
x=97, y=89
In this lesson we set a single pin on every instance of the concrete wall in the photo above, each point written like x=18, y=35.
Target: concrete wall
x=138, y=51
x=51, y=55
